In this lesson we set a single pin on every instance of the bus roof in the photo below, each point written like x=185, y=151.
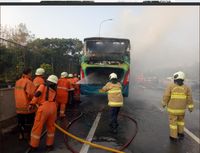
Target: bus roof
x=107, y=38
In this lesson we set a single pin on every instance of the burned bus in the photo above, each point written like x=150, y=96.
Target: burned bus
x=102, y=56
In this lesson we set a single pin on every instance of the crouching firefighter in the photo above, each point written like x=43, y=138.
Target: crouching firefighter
x=46, y=113
x=115, y=99
x=177, y=98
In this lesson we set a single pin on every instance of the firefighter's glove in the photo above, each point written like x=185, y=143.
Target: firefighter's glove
x=190, y=109
x=101, y=91
x=31, y=107
x=163, y=104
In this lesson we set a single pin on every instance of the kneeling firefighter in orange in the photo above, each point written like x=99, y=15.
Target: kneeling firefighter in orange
x=46, y=113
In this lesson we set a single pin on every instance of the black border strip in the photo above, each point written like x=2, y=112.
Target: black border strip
x=100, y=3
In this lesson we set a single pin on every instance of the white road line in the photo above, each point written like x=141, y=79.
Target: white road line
x=192, y=135
x=85, y=147
x=187, y=131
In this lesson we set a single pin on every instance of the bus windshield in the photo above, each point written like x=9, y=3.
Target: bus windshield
x=107, y=47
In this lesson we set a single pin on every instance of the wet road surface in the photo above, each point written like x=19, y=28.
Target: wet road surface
x=143, y=105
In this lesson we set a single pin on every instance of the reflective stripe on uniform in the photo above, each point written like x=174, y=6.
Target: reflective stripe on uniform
x=176, y=95
x=174, y=127
x=36, y=84
x=62, y=88
x=35, y=136
x=191, y=106
x=115, y=104
x=114, y=91
x=50, y=134
x=176, y=111
x=19, y=87
x=21, y=109
x=180, y=123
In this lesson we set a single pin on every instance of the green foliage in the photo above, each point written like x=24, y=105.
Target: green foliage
x=19, y=68
x=48, y=69
x=21, y=50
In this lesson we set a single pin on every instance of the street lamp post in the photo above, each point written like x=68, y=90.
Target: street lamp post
x=102, y=23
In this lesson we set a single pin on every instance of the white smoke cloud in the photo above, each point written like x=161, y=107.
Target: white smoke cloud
x=161, y=36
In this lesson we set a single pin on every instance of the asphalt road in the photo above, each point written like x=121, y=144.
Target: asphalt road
x=143, y=104
x=153, y=135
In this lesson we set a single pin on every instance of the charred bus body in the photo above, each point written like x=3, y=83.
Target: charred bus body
x=102, y=56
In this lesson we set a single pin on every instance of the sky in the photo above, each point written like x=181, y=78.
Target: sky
x=161, y=36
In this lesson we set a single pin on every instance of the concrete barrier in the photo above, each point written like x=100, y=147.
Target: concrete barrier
x=7, y=107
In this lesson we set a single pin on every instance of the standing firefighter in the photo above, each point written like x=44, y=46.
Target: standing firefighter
x=77, y=89
x=46, y=113
x=24, y=91
x=39, y=79
x=63, y=88
x=71, y=93
x=177, y=98
x=115, y=99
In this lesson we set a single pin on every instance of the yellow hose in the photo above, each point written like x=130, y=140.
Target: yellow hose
x=87, y=142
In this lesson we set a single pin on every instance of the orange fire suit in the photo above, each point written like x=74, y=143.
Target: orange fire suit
x=38, y=81
x=46, y=113
x=63, y=87
x=71, y=93
x=24, y=91
x=177, y=99
x=77, y=89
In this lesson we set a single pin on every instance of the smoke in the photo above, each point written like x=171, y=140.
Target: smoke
x=89, y=79
x=162, y=37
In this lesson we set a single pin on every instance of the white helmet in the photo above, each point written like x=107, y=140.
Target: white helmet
x=70, y=75
x=39, y=71
x=53, y=79
x=64, y=74
x=113, y=76
x=179, y=75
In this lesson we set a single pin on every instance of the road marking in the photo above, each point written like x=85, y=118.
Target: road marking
x=85, y=147
x=192, y=135
x=187, y=131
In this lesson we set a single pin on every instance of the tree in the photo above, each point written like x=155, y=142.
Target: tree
x=48, y=69
x=59, y=53
x=19, y=49
x=21, y=35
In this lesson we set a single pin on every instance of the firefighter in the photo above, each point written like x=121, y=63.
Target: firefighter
x=24, y=91
x=71, y=93
x=70, y=78
x=39, y=79
x=115, y=99
x=63, y=88
x=77, y=89
x=46, y=113
x=177, y=97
